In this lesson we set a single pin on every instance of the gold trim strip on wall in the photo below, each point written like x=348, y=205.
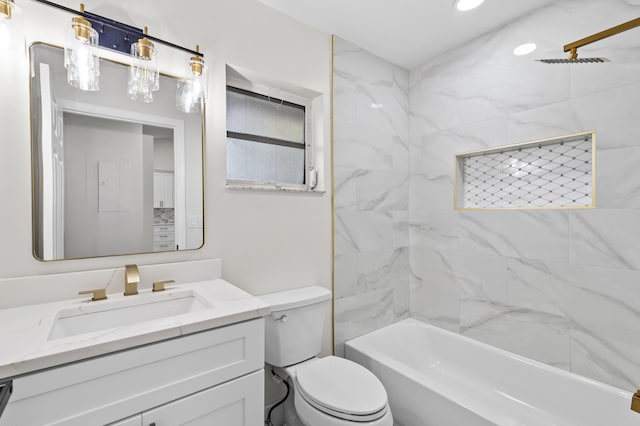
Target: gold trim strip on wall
x=333, y=243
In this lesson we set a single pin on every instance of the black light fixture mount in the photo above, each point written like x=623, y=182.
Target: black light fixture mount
x=115, y=35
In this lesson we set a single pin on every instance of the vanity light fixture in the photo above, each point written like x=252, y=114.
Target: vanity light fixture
x=81, y=54
x=524, y=49
x=192, y=91
x=144, y=77
x=464, y=5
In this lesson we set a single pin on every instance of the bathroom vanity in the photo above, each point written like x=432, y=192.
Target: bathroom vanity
x=119, y=361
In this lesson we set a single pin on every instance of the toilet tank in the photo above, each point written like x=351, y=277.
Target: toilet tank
x=293, y=330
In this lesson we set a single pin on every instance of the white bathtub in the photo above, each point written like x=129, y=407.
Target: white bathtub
x=439, y=378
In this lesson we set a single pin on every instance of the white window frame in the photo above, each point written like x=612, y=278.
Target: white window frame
x=245, y=80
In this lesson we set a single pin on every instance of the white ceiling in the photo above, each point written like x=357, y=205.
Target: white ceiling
x=405, y=32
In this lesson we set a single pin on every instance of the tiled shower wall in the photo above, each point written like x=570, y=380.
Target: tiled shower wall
x=371, y=171
x=559, y=286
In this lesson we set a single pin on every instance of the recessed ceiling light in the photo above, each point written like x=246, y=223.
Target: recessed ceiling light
x=524, y=49
x=465, y=5
x=376, y=106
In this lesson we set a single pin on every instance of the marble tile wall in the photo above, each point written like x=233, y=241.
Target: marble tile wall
x=371, y=192
x=558, y=286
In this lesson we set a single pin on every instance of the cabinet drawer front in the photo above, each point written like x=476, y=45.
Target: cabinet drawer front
x=236, y=403
x=164, y=229
x=169, y=245
x=112, y=387
x=162, y=237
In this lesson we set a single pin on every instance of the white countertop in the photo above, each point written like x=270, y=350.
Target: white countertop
x=25, y=345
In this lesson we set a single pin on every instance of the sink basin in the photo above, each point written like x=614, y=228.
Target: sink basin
x=130, y=310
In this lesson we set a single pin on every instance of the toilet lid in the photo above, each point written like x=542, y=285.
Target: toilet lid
x=342, y=388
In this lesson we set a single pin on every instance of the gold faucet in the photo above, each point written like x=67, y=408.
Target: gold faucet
x=131, y=280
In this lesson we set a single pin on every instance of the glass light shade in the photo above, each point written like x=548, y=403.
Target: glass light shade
x=81, y=56
x=11, y=27
x=144, y=77
x=192, y=92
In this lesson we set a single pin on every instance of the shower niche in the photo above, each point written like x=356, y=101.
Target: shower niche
x=551, y=173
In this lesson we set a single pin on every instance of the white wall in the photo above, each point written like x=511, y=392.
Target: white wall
x=163, y=154
x=268, y=241
x=105, y=215
x=371, y=156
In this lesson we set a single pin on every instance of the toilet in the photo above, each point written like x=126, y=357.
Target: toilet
x=328, y=391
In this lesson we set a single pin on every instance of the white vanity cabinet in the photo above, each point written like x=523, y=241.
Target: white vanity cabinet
x=164, y=237
x=213, y=377
x=230, y=404
x=163, y=190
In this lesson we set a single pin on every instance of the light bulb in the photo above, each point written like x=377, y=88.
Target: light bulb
x=82, y=60
x=196, y=89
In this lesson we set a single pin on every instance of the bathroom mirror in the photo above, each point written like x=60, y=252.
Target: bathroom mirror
x=111, y=176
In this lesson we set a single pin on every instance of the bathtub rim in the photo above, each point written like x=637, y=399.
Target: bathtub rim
x=354, y=342
x=363, y=346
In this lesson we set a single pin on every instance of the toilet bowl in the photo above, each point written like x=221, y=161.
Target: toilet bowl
x=328, y=391
x=334, y=391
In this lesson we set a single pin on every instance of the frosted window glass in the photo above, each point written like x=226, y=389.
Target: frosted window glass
x=260, y=162
x=265, y=139
x=247, y=114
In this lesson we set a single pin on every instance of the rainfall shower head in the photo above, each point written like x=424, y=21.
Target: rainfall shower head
x=574, y=61
x=573, y=47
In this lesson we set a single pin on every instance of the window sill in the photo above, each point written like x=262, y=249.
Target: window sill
x=257, y=186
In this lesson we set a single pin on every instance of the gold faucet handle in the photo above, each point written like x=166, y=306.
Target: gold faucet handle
x=635, y=402
x=159, y=285
x=98, y=294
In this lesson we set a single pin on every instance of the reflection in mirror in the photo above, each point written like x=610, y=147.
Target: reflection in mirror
x=111, y=176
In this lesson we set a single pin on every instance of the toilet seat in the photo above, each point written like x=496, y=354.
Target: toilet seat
x=342, y=389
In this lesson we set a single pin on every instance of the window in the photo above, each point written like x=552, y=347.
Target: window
x=268, y=137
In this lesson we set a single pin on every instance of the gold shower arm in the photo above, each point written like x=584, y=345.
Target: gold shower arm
x=573, y=47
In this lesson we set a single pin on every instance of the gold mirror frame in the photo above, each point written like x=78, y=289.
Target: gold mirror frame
x=36, y=165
